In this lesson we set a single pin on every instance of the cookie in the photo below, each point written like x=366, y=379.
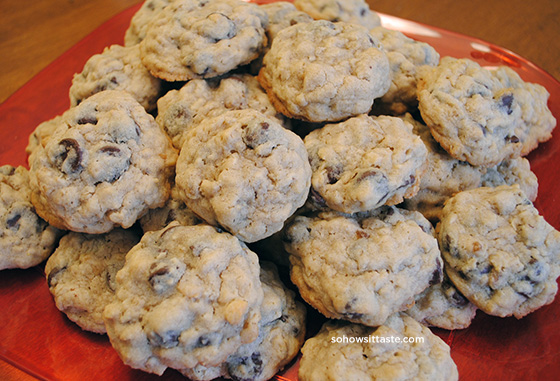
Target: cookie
x=41, y=134
x=173, y=210
x=499, y=252
x=105, y=165
x=324, y=72
x=405, y=55
x=442, y=305
x=537, y=121
x=364, y=267
x=26, y=240
x=352, y=11
x=514, y=171
x=281, y=335
x=365, y=162
x=81, y=274
x=186, y=296
x=203, y=38
x=477, y=115
x=244, y=172
x=116, y=68
x=446, y=176
x=138, y=26
x=282, y=14
x=400, y=349
x=180, y=110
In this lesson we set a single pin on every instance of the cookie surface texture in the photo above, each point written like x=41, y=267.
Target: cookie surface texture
x=244, y=172
x=499, y=252
x=400, y=349
x=365, y=162
x=352, y=11
x=104, y=166
x=25, y=238
x=281, y=335
x=446, y=176
x=323, y=71
x=478, y=115
x=116, y=68
x=405, y=56
x=203, y=38
x=138, y=26
x=442, y=305
x=187, y=296
x=181, y=110
x=362, y=268
x=81, y=274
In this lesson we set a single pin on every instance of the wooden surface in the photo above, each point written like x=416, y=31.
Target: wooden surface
x=529, y=28
x=35, y=33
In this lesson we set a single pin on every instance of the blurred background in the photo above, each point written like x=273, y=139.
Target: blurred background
x=33, y=34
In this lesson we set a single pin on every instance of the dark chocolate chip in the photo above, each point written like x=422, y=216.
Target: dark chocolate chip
x=111, y=150
x=458, y=300
x=206, y=340
x=333, y=173
x=245, y=368
x=506, y=101
x=157, y=271
x=255, y=134
x=316, y=198
x=512, y=139
x=437, y=276
x=52, y=275
x=70, y=159
x=487, y=269
x=13, y=222
x=87, y=120
x=169, y=339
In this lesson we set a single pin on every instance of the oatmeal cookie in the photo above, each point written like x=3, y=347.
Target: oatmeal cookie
x=173, y=210
x=537, y=122
x=116, y=68
x=405, y=55
x=203, y=38
x=105, y=165
x=244, y=172
x=199, y=99
x=364, y=267
x=365, y=162
x=322, y=71
x=25, y=239
x=281, y=335
x=41, y=134
x=187, y=296
x=477, y=115
x=282, y=14
x=352, y=11
x=392, y=351
x=499, y=252
x=136, y=31
x=81, y=274
x=442, y=305
x=446, y=176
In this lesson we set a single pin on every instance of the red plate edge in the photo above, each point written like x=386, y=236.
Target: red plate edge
x=491, y=347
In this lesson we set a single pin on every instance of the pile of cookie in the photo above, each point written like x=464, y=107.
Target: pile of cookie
x=227, y=144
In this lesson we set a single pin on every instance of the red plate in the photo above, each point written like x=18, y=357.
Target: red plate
x=37, y=338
